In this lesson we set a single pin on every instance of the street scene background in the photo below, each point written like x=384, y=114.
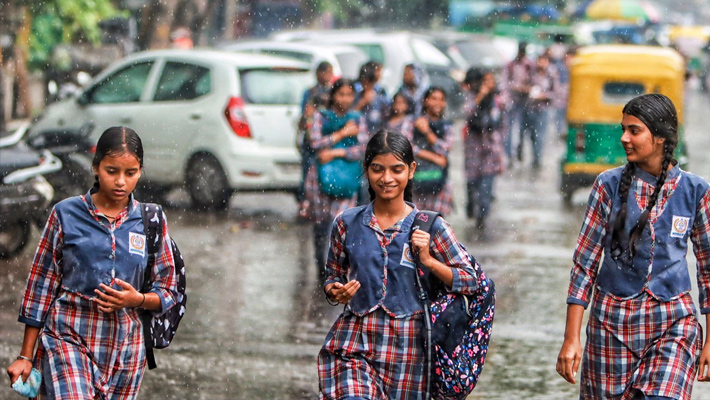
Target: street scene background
x=257, y=315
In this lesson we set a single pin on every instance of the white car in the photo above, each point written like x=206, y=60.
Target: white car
x=213, y=121
x=346, y=60
x=393, y=49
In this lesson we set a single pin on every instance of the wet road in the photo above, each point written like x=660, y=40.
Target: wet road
x=256, y=318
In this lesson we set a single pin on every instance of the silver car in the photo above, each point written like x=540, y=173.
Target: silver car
x=213, y=121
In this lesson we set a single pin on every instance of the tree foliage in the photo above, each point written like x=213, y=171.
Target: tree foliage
x=64, y=22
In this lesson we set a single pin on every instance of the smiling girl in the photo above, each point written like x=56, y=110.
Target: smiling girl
x=644, y=340
x=374, y=351
x=81, y=307
x=432, y=138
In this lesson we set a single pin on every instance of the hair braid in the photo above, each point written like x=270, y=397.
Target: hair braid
x=627, y=177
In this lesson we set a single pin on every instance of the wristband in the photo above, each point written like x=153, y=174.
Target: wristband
x=24, y=358
x=328, y=299
x=143, y=301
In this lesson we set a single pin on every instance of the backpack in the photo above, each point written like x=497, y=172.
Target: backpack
x=158, y=331
x=340, y=177
x=429, y=178
x=457, y=329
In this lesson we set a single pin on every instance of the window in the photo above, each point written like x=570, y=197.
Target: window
x=124, y=86
x=350, y=63
x=296, y=55
x=274, y=86
x=181, y=81
x=427, y=53
x=374, y=52
x=621, y=92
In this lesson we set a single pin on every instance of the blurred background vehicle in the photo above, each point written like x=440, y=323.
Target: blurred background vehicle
x=394, y=50
x=212, y=121
x=75, y=150
x=24, y=192
x=346, y=60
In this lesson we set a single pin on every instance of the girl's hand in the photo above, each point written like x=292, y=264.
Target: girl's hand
x=325, y=156
x=422, y=124
x=111, y=300
x=568, y=360
x=19, y=368
x=704, y=367
x=350, y=129
x=342, y=293
x=420, y=246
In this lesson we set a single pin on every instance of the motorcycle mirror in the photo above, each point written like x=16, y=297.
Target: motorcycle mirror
x=82, y=99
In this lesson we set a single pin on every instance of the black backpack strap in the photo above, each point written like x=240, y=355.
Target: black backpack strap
x=152, y=215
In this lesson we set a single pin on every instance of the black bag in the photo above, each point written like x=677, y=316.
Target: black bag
x=457, y=329
x=159, y=331
x=429, y=178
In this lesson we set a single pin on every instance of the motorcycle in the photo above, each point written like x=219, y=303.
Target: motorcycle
x=76, y=152
x=25, y=194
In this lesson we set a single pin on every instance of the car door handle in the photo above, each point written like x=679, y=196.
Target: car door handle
x=195, y=116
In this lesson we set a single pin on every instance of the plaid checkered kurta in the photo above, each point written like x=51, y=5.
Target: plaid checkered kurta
x=442, y=202
x=379, y=355
x=84, y=353
x=637, y=345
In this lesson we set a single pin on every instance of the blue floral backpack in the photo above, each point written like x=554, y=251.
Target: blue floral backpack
x=457, y=329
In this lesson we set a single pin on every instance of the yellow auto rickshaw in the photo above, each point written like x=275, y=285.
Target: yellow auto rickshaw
x=602, y=80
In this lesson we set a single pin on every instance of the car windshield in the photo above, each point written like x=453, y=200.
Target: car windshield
x=274, y=85
x=350, y=64
x=476, y=52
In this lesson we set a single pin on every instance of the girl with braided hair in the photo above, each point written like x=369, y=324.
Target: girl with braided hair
x=644, y=340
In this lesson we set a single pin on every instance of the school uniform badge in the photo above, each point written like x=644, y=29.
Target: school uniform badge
x=680, y=226
x=408, y=257
x=136, y=244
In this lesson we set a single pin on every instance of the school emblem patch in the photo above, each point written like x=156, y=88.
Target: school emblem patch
x=136, y=244
x=407, y=257
x=680, y=226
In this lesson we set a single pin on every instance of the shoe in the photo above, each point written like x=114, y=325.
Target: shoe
x=481, y=224
x=520, y=153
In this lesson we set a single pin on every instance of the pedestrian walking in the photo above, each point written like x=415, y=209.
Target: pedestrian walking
x=81, y=306
x=643, y=337
x=314, y=99
x=414, y=84
x=373, y=350
x=338, y=136
x=400, y=118
x=516, y=83
x=536, y=112
x=483, y=148
x=432, y=138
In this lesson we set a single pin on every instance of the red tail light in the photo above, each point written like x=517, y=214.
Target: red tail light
x=237, y=118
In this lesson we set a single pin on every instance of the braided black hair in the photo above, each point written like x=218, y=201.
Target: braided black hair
x=658, y=113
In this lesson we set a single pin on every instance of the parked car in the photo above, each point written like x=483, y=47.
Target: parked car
x=24, y=192
x=346, y=60
x=393, y=49
x=214, y=121
x=468, y=50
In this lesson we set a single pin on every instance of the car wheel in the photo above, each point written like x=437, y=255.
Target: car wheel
x=13, y=238
x=207, y=183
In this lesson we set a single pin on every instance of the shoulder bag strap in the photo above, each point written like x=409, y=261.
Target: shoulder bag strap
x=152, y=215
x=424, y=220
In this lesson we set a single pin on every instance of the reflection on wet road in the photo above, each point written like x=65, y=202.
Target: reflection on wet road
x=256, y=318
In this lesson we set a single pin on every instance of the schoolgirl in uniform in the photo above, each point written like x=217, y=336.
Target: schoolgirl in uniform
x=400, y=118
x=484, y=154
x=432, y=138
x=331, y=129
x=81, y=306
x=643, y=337
x=374, y=351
